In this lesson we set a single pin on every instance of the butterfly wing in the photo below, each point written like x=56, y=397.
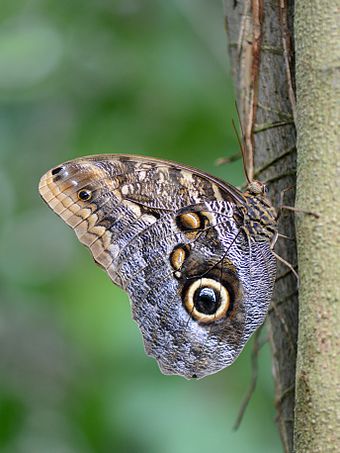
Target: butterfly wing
x=172, y=237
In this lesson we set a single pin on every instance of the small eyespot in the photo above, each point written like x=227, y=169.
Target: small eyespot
x=191, y=221
x=56, y=170
x=207, y=300
x=85, y=195
x=179, y=255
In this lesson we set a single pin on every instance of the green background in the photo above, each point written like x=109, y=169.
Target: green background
x=76, y=78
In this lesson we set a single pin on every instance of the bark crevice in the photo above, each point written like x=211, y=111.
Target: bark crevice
x=260, y=36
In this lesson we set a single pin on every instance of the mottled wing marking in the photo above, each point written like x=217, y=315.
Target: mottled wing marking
x=130, y=223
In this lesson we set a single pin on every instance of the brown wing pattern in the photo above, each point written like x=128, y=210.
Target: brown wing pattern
x=174, y=239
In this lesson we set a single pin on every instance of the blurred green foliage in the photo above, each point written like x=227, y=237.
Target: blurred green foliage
x=86, y=77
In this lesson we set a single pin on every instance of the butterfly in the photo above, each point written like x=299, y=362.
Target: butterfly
x=193, y=253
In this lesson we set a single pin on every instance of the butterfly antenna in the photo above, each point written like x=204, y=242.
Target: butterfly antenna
x=241, y=144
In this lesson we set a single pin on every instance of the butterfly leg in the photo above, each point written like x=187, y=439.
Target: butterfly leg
x=277, y=235
x=302, y=211
x=287, y=264
x=272, y=245
x=283, y=236
x=282, y=206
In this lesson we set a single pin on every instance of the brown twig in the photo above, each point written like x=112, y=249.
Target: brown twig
x=257, y=345
x=287, y=52
x=229, y=159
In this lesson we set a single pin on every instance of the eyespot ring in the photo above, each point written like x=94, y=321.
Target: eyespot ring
x=202, y=290
x=84, y=195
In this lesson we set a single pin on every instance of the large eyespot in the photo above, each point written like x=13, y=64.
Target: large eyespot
x=84, y=195
x=207, y=300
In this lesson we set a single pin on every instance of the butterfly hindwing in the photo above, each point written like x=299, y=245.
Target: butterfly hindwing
x=174, y=239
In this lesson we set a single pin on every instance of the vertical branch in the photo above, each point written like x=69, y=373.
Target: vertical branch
x=260, y=37
x=318, y=117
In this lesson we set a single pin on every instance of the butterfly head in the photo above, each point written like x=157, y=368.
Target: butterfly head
x=257, y=188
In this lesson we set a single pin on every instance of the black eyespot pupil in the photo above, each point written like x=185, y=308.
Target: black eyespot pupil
x=206, y=301
x=84, y=195
x=57, y=170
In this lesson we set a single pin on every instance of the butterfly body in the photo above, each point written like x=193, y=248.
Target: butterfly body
x=192, y=252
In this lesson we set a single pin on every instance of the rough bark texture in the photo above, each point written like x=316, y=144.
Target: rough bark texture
x=318, y=118
x=260, y=37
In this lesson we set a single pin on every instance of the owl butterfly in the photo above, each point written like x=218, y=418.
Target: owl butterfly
x=192, y=252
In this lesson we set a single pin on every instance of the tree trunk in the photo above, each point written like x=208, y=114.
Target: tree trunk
x=318, y=118
x=260, y=38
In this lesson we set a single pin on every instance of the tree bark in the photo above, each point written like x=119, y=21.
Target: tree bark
x=260, y=39
x=318, y=118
